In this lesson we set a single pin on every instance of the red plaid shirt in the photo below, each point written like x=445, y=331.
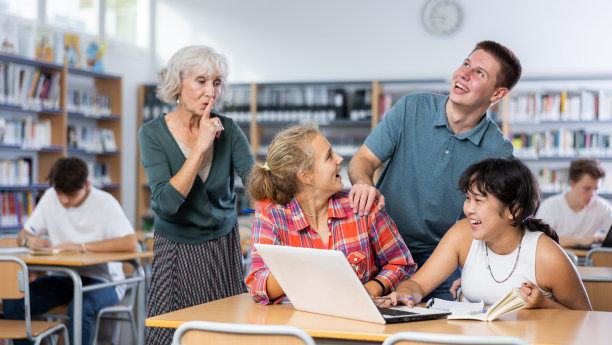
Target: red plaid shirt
x=372, y=243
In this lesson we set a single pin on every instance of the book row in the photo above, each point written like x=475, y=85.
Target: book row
x=16, y=208
x=561, y=143
x=29, y=87
x=90, y=139
x=584, y=105
x=556, y=180
x=88, y=102
x=51, y=45
x=25, y=132
x=99, y=173
x=16, y=172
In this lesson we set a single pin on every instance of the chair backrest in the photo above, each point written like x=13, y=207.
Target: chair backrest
x=15, y=284
x=8, y=241
x=203, y=332
x=599, y=257
x=435, y=338
x=572, y=256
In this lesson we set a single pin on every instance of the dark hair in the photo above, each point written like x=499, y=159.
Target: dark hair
x=68, y=175
x=511, y=69
x=289, y=153
x=580, y=167
x=510, y=181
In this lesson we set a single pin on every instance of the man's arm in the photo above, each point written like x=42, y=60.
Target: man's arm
x=361, y=173
x=571, y=241
x=120, y=244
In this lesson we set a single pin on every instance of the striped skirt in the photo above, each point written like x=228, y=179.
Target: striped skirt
x=185, y=275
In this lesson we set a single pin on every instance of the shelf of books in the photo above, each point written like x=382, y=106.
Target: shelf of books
x=552, y=121
x=48, y=111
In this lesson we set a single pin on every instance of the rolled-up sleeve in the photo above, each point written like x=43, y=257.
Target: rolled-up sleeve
x=392, y=254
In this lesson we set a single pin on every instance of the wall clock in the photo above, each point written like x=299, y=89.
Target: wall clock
x=442, y=17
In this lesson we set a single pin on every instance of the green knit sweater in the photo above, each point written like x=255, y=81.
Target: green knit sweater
x=208, y=212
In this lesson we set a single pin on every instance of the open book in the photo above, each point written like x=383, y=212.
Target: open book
x=43, y=251
x=512, y=301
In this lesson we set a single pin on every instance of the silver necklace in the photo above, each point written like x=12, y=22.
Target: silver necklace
x=515, y=261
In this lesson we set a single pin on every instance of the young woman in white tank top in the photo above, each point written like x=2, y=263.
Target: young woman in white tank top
x=500, y=246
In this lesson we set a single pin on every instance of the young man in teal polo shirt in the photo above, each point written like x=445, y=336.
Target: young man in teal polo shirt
x=428, y=140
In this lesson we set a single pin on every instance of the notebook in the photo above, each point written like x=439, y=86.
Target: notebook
x=607, y=242
x=322, y=281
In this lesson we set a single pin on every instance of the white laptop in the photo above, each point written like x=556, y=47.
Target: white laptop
x=322, y=281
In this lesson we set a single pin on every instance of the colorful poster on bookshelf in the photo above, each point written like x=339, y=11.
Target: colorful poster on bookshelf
x=9, y=35
x=72, y=50
x=94, y=55
x=45, y=43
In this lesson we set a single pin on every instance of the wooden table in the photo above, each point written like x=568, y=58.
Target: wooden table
x=597, y=281
x=538, y=326
x=65, y=262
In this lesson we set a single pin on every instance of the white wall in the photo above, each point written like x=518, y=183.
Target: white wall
x=283, y=40
x=278, y=40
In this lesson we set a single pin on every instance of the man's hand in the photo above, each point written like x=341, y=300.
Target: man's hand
x=35, y=242
x=362, y=197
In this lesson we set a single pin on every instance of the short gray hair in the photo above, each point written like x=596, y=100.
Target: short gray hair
x=188, y=60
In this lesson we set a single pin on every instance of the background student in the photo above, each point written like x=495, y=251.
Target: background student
x=189, y=156
x=500, y=245
x=301, y=204
x=75, y=216
x=578, y=214
x=428, y=140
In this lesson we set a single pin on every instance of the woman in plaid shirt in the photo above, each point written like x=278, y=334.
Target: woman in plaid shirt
x=301, y=203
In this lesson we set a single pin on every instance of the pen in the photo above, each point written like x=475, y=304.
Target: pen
x=398, y=298
x=248, y=210
x=33, y=230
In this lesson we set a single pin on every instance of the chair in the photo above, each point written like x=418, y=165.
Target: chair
x=203, y=332
x=599, y=257
x=572, y=256
x=435, y=338
x=14, y=273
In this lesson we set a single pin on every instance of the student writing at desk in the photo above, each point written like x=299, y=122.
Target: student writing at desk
x=428, y=140
x=578, y=214
x=301, y=204
x=75, y=216
x=500, y=245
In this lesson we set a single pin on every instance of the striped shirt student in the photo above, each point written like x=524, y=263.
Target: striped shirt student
x=371, y=243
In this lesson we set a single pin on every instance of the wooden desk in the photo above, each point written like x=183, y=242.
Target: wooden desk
x=65, y=262
x=540, y=326
x=598, y=284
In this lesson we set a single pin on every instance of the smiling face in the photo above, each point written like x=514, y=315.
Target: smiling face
x=488, y=216
x=198, y=90
x=474, y=82
x=325, y=174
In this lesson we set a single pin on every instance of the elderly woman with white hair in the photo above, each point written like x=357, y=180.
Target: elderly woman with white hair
x=189, y=156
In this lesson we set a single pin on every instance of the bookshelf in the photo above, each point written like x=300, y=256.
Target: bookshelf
x=36, y=117
x=554, y=120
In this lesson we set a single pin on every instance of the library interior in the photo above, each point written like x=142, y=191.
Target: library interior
x=81, y=78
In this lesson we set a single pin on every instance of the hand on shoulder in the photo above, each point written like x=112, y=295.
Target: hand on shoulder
x=362, y=197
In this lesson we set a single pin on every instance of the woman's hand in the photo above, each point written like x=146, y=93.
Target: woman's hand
x=531, y=295
x=209, y=128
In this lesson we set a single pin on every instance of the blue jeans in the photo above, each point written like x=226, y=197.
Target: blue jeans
x=442, y=291
x=50, y=291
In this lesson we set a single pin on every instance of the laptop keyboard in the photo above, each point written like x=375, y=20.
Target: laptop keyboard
x=394, y=312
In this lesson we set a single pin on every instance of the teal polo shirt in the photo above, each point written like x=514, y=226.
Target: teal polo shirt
x=424, y=160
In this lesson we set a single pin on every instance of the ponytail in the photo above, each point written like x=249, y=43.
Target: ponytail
x=534, y=224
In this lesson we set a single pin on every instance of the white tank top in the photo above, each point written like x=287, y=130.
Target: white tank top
x=476, y=281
